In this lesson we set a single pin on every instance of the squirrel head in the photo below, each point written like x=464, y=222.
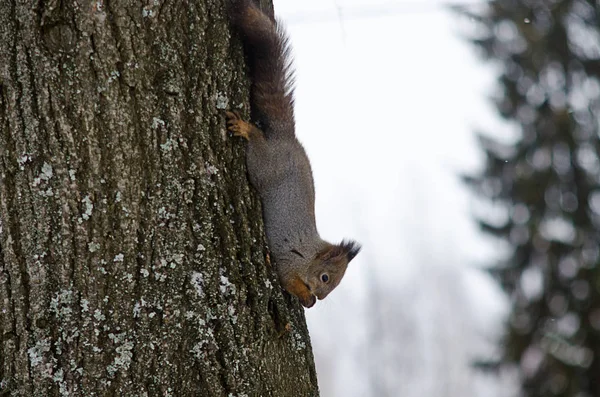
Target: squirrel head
x=327, y=269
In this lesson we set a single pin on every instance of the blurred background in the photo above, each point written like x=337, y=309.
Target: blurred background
x=458, y=142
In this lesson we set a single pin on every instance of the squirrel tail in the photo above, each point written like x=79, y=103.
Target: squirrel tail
x=269, y=56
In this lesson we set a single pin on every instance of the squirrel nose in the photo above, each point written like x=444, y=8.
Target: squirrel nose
x=310, y=303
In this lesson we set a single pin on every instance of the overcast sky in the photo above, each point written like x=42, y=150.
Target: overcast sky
x=388, y=99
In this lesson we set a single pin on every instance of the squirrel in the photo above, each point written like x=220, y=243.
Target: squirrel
x=278, y=167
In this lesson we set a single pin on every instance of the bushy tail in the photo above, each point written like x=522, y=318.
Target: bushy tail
x=269, y=55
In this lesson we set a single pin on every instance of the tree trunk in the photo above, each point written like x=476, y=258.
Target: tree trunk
x=132, y=254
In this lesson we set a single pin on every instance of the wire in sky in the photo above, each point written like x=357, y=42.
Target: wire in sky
x=381, y=10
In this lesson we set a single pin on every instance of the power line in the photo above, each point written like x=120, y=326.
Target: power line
x=380, y=10
x=340, y=17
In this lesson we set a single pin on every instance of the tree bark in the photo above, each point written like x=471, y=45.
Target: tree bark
x=132, y=254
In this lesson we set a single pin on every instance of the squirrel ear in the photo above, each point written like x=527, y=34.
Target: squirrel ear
x=350, y=248
x=347, y=249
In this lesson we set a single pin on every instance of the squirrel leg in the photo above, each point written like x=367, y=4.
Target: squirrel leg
x=239, y=127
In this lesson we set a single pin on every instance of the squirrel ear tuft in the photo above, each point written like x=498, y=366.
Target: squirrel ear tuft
x=351, y=248
x=347, y=249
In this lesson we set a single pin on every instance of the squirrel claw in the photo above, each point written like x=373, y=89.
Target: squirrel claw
x=236, y=125
x=287, y=328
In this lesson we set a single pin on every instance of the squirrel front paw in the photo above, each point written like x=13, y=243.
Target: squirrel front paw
x=237, y=126
x=298, y=288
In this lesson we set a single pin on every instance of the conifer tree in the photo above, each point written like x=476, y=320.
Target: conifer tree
x=544, y=188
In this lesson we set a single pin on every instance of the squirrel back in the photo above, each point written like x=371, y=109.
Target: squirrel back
x=308, y=267
x=270, y=61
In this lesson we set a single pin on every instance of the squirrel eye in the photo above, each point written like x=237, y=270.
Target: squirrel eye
x=324, y=277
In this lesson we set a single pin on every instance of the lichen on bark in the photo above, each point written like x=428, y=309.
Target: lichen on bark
x=132, y=251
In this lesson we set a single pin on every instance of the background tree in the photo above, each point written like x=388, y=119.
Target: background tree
x=544, y=188
x=132, y=255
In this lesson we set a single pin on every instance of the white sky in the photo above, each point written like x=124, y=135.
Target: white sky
x=387, y=100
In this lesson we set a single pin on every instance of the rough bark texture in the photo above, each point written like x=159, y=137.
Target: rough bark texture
x=132, y=254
